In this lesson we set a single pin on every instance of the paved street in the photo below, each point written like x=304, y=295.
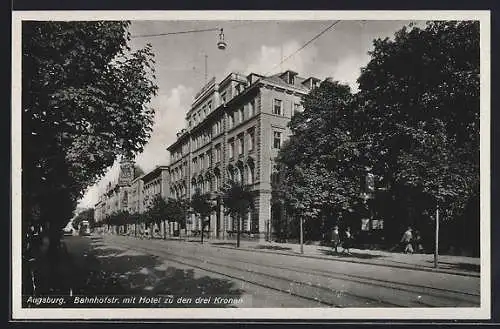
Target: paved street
x=269, y=279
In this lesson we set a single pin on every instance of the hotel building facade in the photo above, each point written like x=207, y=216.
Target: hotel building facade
x=234, y=130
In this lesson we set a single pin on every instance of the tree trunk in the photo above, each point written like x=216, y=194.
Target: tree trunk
x=238, y=232
x=202, y=230
x=164, y=230
x=301, y=235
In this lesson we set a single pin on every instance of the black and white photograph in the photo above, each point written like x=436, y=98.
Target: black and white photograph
x=276, y=165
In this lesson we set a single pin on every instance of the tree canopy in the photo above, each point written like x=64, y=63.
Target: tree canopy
x=157, y=212
x=414, y=124
x=84, y=103
x=238, y=199
x=423, y=117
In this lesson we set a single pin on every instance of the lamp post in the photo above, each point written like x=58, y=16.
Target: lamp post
x=301, y=234
x=436, y=247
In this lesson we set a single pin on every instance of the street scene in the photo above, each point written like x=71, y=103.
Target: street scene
x=251, y=164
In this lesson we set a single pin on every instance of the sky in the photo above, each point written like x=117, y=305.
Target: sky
x=253, y=46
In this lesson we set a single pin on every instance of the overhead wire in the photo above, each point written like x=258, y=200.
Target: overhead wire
x=189, y=31
x=172, y=33
x=304, y=45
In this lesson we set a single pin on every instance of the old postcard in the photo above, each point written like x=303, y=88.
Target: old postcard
x=251, y=165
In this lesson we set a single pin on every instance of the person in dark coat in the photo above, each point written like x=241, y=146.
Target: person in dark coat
x=347, y=241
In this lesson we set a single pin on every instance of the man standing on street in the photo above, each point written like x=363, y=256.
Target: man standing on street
x=336, y=238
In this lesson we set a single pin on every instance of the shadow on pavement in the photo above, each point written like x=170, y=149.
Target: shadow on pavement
x=459, y=266
x=233, y=244
x=103, y=270
x=330, y=252
x=273, y=247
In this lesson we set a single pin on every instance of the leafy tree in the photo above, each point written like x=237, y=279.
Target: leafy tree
x=134, y=219
x=238, y=199
x=424, y=117
x=201, y=205
x=87, y=214
x=320, y=166
x=415, y=126
x=119, y=219
x=178, y=210
x=158, y=212
x=84, y=93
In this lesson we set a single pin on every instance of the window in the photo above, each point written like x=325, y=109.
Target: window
x=190, y=123
x=217, y=153
x=223, y=97
x=238, y=89
x=296, y=108
x=231, y=149
x=231, y=120
x=251, y=136
x=240, y=145
x=219, y=126
x=217, y=182
x=291, y=79
x=209, y=106
x=277, y=108
x=250, y=174
x=276, y=139
x=237, y=175
x=202, y=161
x=251, y=109
x=241, y=114
x=209, y=159
x=204, y=112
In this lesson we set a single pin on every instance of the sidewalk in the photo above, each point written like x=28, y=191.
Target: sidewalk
x=459, y=265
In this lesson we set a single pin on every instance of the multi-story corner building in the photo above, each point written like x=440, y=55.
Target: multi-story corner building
x=234, y=130
x=117, y=196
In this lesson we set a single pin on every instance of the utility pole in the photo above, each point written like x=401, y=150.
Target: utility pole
x=436, y=247
x=301, y=235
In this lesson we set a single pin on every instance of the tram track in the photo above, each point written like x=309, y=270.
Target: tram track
x=297, y=288
x=454, y=296
x=300, y=289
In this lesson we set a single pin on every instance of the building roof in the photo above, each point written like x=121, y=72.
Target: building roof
x=279, y=81
x=154, y=172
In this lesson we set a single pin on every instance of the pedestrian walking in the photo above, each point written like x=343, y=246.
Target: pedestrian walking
x=336, y=238
x=418, y=243
x=347, y=241
x=407, y=240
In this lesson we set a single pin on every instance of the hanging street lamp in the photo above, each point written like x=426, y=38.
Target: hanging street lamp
x=221, y=44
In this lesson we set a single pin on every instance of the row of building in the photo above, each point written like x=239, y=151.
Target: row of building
x=234, y=130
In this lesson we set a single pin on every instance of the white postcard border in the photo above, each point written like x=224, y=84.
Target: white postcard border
x=482, y=312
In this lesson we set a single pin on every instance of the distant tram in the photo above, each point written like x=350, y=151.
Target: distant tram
x=85, y=228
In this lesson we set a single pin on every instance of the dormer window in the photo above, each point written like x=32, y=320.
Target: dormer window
x=311, y=83
x=289, y=77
